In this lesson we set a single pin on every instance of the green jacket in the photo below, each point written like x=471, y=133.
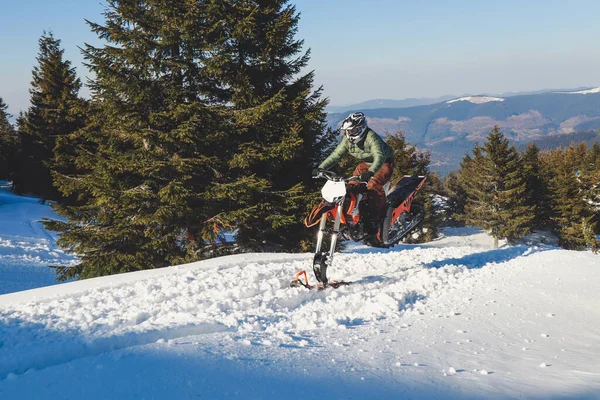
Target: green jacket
x=372, y=150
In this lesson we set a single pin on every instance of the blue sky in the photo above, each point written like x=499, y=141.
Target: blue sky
x=373, y=49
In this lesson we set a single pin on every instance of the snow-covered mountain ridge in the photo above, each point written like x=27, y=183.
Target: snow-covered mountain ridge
x=453, y=319
x=450, y=128
x=587, y=91
x=476, y=99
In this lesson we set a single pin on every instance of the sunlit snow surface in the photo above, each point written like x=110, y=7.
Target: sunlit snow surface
x=26, y=249
x=452, y=319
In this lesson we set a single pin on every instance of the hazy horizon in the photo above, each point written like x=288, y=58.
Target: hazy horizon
x=385, y=49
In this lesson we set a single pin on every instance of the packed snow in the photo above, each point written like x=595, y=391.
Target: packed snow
x=450, y=319
x=26, y=249
x=588, y=91
x=476, y=99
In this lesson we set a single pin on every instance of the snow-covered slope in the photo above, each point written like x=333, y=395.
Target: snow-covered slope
x=476, y=99
x=26, y=249
x=588, y=91
x=454, y=319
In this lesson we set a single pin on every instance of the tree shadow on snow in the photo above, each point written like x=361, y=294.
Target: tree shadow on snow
x=30, y=345
x=478, y=260
x=358, y=248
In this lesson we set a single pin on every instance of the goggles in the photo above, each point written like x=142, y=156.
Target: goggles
x=354, y=131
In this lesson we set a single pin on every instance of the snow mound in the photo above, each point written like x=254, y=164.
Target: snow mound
x=476, y=99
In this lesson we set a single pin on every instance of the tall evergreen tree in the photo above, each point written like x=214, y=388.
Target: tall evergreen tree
x=537, y=196
x=277, y=120
x=496, y=189
x=53, y=114
x=151, y=147
x=197, y=125
x=8, y=143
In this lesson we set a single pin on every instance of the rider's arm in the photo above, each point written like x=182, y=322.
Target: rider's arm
x=375, y=144
x=337, y=154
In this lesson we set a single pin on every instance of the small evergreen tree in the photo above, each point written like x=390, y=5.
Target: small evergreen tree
x=496, y=189
x=409, y=161
x=456, y=198
x=593, y=158
x=52, y=114
x=575, y=193
x=8, y=143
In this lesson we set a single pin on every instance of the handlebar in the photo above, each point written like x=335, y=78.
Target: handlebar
x=332, y=176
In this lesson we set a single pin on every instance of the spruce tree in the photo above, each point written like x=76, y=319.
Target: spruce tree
x=475, y=189
x=537, y=196
x=8, y=143
x=152, y=146
x=405, y=155
x=409, y=161
x=575, y=193
x=496, y=190
x=593, y=158
x=277, y=121
x=198, y=124
x=456, y=198
x=53, y=114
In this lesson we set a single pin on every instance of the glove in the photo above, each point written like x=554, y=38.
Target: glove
x=366, y=176
x=316, y=173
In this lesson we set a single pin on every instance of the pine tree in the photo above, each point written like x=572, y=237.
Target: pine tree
x=593, y=158
x=472, y=185
x=434, y=213
x=456, y=198
x=576, y=195
x=197, y=125
x=496, y=189
x=8, y=143
x=52, y=114
x=537, y=197
x=151, y=148
x=409, y=161
x=277, y=121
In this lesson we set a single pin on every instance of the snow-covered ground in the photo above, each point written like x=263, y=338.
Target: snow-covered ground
x=26, y=249
x=452, y=319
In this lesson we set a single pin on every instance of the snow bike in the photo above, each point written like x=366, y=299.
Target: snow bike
x=344, y=203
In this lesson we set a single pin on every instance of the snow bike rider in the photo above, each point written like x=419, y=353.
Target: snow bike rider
x=376, y=167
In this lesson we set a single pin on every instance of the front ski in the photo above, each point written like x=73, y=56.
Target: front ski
x=297, y=282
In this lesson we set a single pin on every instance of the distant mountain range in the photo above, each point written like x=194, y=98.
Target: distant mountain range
x=424, y=101
x=450, y=127
x=387, y=103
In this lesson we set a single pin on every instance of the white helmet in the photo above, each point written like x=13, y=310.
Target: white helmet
x=355, y=127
